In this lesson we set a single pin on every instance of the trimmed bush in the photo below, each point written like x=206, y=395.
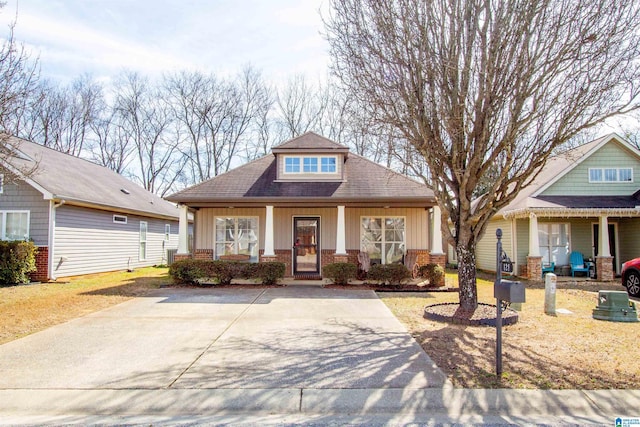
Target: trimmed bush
x=17, y=260
x=434, y=273
x=389, y=274
x=270, y=272
x=190, y=271
x=340, y=272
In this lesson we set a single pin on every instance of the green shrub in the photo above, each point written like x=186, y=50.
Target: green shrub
x=340, y=272
x=389, y=274
x=188, y=271
x=17, y=260
x=225, y=271
x=434, y=273
x=270, y=272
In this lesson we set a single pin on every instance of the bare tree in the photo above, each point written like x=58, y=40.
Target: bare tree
x=477, y=84
x=18, y=76
x=145, y=124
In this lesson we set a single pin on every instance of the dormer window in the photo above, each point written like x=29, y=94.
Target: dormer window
x=601, y=175
x=310, y=164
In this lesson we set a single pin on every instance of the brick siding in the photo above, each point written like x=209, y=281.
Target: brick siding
x=42, y=265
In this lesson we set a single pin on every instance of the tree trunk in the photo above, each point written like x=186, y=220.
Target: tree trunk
x=468, y=291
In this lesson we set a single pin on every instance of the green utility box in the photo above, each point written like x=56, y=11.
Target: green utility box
x=615, y=307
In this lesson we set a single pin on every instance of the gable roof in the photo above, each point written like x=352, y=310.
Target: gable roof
x=366, y=184
x=310, y=142
x=558, y=166
x=60, y=176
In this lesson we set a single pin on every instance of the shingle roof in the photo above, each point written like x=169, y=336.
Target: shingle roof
x=310, y=141
x=78, y=181
x=255, y=182
x=556, y=167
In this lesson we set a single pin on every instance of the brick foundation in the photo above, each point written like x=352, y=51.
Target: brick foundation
x=180, y=257
x=604, y=267
x=534, y=268
x=203, y=254
x=42, y=265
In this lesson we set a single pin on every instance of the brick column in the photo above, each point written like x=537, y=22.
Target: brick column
x=534, y=268
x=42, y=265
x=604, y=267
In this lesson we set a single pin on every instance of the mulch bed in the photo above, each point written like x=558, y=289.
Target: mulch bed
x=484, y=315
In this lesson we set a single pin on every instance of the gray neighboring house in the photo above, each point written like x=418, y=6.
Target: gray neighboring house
x=83, y=217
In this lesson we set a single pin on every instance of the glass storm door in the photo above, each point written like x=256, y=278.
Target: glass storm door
x=306, y=247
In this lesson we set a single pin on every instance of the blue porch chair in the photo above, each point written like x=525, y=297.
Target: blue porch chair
x=548, y=268
x=577, y=264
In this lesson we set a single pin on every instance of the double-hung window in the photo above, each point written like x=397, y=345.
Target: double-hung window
x=383, y=238
x=554, y=240
x=237, y=236
x=14, y=225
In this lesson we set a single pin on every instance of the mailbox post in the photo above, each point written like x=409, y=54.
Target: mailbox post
x=507, y=291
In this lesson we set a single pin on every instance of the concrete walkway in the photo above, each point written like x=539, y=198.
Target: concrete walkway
x=294, y=355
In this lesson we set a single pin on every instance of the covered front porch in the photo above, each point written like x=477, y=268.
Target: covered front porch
x=306, y=238
x=602, y=236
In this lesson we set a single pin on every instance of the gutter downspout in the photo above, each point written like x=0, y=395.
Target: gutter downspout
x=52, y=235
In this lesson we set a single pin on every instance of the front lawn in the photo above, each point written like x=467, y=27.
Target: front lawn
x=540, y=351
x=31, y=308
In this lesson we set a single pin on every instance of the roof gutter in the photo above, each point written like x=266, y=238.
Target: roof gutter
x=572, y=212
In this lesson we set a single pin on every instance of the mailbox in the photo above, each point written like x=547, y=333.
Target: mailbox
x=509, y=291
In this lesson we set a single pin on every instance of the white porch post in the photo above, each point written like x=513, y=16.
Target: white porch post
x=183, y=230
x=603, y=238
x=534, y=245
x=436, y=238
x=341, y=246
x=268, y=233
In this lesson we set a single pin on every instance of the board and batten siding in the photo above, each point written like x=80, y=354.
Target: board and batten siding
x=486, y=247
x=88, y=241
x=20, y=196
x=417, y=225
x=611, y=155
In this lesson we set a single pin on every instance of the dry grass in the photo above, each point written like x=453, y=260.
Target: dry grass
x=566, y=351
x=31, y=308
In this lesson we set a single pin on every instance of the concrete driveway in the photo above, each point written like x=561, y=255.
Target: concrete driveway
x=284, y=340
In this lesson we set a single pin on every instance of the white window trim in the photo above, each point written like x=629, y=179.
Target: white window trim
x=604, y=181
x=167, y=232
x=302, y=157
x=384, y=240
x=115, y=221
x=567, y=224
x=145, y=241
x=215, y=240
x=3, y=223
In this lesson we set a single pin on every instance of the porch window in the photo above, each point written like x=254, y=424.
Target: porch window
x=237, y=236
x=383, y=238
x=14, y=225
x=554, y=242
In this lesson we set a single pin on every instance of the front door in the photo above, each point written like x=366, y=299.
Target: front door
x=306, y=245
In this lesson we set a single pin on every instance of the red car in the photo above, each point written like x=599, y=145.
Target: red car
x=631, y=277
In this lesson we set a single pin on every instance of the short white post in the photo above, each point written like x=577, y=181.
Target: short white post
x=341, y=247
x=183, y=230
x=268, y=233
x=550, y=282
x=436, y=239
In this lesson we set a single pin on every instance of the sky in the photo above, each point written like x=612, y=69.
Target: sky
x=103, y=37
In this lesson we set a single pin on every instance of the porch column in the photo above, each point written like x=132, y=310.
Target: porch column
x=534, y=259
x=604, y=260
x=603, y=238
x=183, y=230
x=268, y=233
x=341, y=246
x=436, y=238
x=534, y=244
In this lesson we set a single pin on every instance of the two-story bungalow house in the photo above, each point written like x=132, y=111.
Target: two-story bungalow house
x=308, y=203
x=585, y=200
